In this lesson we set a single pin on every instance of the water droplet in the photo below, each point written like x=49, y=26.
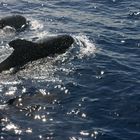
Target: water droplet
x=1, y=137
x=44, y=119
x=84, y=133
x=102, y=72
x=29, y=130
x=51, y=119
x=94, y=134
x=66, y=91
x=40, y=136
x=122, y=41
x=84, y=115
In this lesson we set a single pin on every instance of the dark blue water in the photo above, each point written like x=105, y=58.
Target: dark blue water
x=90, y=92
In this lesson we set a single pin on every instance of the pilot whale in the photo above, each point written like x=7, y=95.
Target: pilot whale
x=18, y=22
x=26, y=51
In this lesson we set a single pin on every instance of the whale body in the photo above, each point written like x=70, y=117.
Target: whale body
x=26, y=51
x=18, y=22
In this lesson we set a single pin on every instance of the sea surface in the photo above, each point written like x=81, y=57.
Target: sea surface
x=91, y=92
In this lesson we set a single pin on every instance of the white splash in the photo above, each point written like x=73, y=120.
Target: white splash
x=35, y=24
x=41, y=35
x=7, y=31
x=10, y=82
x=87, y=47
x=11, y=91
x=2, y=107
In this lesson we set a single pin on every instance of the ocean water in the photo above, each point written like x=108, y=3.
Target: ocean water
x=92, y=91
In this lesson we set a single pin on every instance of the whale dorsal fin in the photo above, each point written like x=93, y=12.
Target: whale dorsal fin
x=21, y=44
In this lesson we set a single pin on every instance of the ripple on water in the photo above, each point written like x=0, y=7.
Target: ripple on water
x=91, y=91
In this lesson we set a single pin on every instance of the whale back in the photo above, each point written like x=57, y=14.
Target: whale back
x=26, y=51
x=43, y=47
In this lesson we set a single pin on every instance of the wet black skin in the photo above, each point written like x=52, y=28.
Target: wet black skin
x=18, y=22
x=26, y=51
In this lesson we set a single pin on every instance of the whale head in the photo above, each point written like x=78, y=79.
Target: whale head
x=18, y=22
x=56, y=44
